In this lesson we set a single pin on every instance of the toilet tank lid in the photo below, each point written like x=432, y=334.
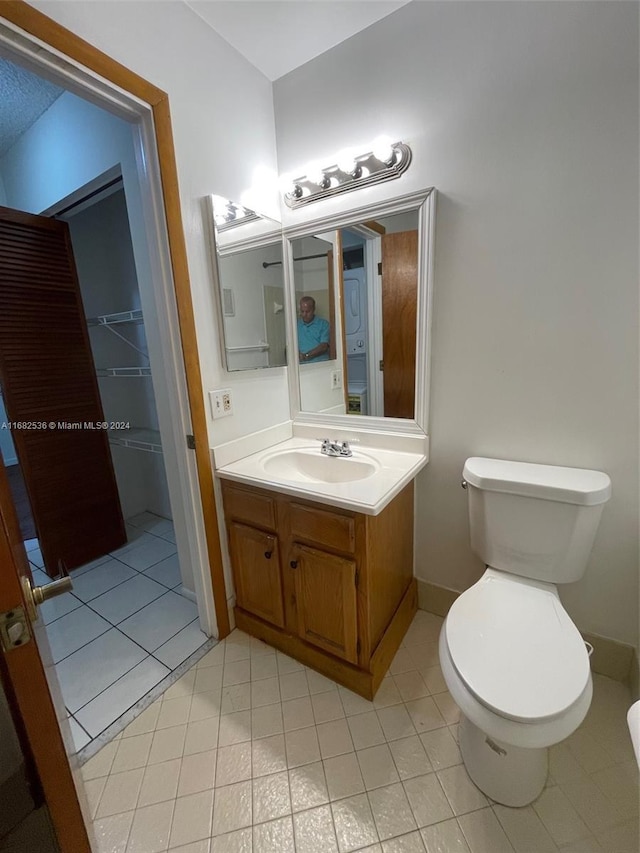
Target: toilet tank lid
x=548, y=482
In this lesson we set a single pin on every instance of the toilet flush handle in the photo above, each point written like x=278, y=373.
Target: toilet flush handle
x=463, y=483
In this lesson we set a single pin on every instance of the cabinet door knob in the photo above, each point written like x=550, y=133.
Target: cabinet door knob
x=268, y=554
x=294, y=564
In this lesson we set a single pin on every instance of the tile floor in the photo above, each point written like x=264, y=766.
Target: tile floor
x=122, y=630
x=251, y=751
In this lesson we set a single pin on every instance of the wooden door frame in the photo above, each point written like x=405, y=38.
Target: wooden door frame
x=23, y=677
x=67, y=43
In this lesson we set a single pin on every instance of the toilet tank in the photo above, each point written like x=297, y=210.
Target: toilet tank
x=537, y=521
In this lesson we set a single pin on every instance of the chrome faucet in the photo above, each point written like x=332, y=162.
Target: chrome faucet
x=335, y=448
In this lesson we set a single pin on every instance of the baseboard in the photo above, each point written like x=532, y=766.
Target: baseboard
x=186, y=593
x=612, y=658
x=435, y=599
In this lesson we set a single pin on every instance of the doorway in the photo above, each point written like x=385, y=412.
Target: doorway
x=380, y=296
x=133, y=609
x=45, y=47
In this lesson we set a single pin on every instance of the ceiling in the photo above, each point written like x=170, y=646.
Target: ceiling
x=279, y=35
x=24, y=97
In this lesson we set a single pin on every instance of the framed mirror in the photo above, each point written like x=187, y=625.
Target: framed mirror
x=368, y=275
x=249, y=281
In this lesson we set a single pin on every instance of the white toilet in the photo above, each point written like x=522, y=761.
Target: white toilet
x=512, y=659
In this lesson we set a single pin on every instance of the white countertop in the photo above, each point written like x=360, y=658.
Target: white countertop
x=394, y=470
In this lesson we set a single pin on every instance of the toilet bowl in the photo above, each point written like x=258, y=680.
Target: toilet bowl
x=519, y=695
x=512, y=659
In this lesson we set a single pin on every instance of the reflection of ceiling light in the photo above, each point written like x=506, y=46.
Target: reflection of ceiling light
x=227, y=214
x=385, y=162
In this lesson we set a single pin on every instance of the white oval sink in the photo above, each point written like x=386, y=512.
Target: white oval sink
x=305, y=465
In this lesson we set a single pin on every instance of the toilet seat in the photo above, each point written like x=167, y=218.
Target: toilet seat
x=515, y=648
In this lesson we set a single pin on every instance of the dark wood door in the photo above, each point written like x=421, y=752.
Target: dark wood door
x=399, y=312
x=51, y=394
x=256, y=568
x=326, y=601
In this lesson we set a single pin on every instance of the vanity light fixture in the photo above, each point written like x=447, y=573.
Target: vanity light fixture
x=228, y=214
x=383, y=163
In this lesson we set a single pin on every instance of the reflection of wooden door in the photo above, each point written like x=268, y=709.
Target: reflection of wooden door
x=332, y=306
x=326, y=601
x=339, y=321
x=399, y=312
x=25, y=682
x=50, y=385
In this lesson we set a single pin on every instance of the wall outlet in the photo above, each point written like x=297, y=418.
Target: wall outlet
x=336, y=380
x=221, y=403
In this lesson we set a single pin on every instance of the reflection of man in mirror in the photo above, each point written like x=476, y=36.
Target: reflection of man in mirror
x=313, y=333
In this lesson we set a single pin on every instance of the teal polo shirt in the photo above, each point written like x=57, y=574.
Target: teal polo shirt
x=311, y=334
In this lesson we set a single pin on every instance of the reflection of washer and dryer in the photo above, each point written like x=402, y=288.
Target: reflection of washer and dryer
x=356, y=332
x=355, y=310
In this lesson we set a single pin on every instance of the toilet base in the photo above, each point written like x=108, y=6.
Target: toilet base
x=511, y=775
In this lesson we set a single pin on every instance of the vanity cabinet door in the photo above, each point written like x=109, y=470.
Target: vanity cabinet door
x=256, y=568
x=326, y=601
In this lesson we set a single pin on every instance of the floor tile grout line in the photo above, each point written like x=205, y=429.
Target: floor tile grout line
x=84, y=645
x=184, y=627
x=147, y=655
x=210, y=643
x=153, y=601
x=111, y=626
x=78, y=723
x=447, y=724
x=126, y=580
x=142, y=571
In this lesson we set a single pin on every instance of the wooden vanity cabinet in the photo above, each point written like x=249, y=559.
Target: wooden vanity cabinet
x=332, y=588
x=257, y=572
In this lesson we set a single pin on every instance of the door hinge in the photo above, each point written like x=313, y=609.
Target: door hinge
x=358, y=647
x=381, y=365
x=14, y=628
x=380, y=268
x=191, y=442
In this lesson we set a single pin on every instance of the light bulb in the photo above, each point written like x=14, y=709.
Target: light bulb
x=383, y=149
x=345, y=160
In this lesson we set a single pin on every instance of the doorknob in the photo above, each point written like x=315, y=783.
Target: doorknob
x=36, y=595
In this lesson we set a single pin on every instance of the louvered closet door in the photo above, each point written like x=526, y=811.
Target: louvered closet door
x=48, y=376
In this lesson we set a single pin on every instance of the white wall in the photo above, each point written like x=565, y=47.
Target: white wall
x=525, y=117
x=223, y=129
x=105, y=263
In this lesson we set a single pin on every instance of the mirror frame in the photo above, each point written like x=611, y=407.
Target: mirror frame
x=260, y=234
x=424, y=201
